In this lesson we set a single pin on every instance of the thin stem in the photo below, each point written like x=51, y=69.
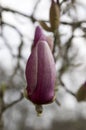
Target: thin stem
x=57, y=102
x=13, y=103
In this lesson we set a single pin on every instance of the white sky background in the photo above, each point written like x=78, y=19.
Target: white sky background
x=27, y=28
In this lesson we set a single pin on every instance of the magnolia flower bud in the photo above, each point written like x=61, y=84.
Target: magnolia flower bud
x=81, y=94
x=40, y=71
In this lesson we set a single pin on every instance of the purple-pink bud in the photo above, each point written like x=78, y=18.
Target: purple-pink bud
x=40, y=71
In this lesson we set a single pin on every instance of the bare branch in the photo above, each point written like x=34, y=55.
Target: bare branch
x=13, y=103
x=12, y=26
x=75, y=24
x=67, y=90
x=20, y=13
x=57, y=102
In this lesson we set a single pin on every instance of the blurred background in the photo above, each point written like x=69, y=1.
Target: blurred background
x=18, y=20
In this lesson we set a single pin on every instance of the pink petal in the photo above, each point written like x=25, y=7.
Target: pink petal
x=49, y=39
x=31, y=71
x=44, y=91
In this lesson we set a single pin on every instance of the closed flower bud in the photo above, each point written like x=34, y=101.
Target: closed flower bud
x=81, y=94
x=54, y=15
x=40, y=71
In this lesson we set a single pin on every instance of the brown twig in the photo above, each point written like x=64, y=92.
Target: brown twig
x=13, y=103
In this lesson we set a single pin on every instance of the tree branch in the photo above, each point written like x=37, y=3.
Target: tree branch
x=13, y=103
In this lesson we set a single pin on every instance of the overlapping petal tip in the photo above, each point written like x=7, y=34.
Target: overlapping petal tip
x=38, y=35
